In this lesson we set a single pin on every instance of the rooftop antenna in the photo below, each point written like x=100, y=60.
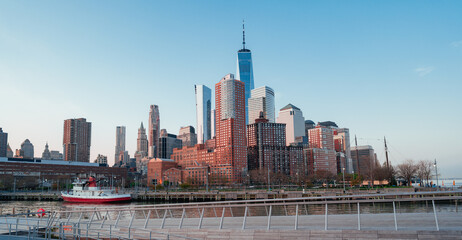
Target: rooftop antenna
x=243, y=34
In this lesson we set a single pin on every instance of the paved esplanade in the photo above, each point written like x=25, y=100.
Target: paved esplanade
x=404, y=216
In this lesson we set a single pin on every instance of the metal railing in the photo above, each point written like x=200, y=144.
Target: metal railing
x=138, y=221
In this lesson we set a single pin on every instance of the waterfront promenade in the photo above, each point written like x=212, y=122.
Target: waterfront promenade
x=433, y=215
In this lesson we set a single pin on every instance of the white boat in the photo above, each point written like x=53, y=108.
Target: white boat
x=92, y=193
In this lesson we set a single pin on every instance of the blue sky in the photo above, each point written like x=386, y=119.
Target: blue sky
x=380, y=68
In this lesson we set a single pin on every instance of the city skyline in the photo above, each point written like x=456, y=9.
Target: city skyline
x=387, y=73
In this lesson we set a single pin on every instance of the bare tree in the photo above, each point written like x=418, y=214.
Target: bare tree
x=424, y=171
x=384, y=172
x=407, y=170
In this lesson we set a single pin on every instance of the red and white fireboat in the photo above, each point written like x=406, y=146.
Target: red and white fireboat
x=92, y=194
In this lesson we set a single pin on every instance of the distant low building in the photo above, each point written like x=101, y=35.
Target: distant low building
x=46, y=153
x=27, y=149
x=3, y=143
x=56, y=155
x=101, y=159
x=54, y=171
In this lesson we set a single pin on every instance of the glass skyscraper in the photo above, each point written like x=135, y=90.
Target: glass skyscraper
x=261, y=100
x=203, y=113
x=245, y=72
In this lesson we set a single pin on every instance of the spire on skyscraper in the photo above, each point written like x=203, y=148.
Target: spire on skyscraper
x=142, y=125
x=243, y=35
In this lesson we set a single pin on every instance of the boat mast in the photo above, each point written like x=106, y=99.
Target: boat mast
x=386, y=152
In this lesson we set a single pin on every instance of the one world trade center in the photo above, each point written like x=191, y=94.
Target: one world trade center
x=245, y=72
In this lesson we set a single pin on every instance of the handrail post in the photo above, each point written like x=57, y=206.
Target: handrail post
x=436, y=218
x=394, y=216
x=325, y=219
x=200, y=220
x=117, y=220
x=359, y=218
x=182, y=217
x=69, y=218
x=131, y=220
x=80, y=217
x=104, y=219
x=147, y=219
x=222, y=218
x=269, y=218
x=245, y=217
x=163, y=219
x=296, y=217
x=92, y=216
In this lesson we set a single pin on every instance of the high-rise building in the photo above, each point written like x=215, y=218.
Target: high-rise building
x=328, y=124
x=367, y=161
x=309, y=124
x=203, y=113
x=120, y=142
x=142, y=140
x=168, y=142
x=124, y=159
x=267, y=149
x=188, y=136
x=213, y=124
x=321, y=137
x=321, y=161
x=101, y=159
x=141, y=146
x=266, y=144
x=27, y=149
x=231, y=147
x=342, y=145
x=3, y=143
x=46, y=153
x=244, y=71
x=321, y=155
x=154, y=131
x=261, y=100
x=9, y=151
x=292, y=116
x=77, y=140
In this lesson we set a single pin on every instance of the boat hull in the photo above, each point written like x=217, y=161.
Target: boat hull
x=123, y=198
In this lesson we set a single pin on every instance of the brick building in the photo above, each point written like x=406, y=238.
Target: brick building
x=321, y=155
x=77, y=140
x=156, y=169
x=54, y=170
x=231, y=147
x=266, y=149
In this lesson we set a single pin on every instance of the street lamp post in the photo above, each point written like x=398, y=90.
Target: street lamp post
x=351, y=185
x=436, y=170
x=207, y=179
x=343, y=174
x=155, y=183
x=269, y=185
